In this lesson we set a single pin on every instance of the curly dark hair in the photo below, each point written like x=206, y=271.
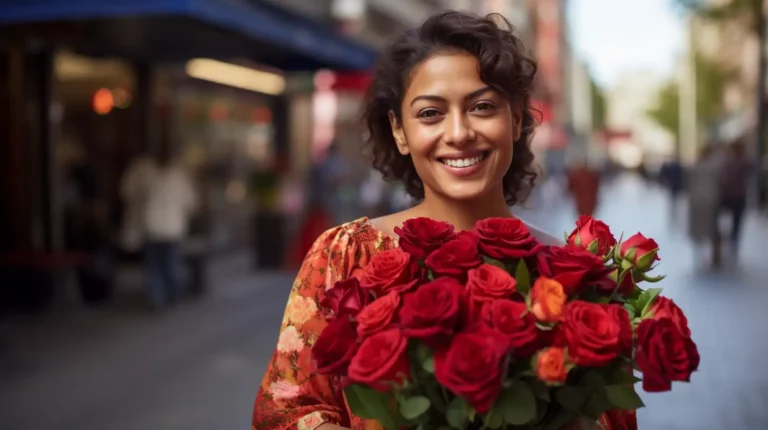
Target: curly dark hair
x=503, y=64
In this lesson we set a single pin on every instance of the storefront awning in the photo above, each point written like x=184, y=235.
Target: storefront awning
x=173, y=30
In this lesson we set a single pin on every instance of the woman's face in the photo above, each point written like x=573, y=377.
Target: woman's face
x=458, y=131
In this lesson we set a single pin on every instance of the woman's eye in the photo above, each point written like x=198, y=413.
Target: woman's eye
x=428, y=113
x=483, y=106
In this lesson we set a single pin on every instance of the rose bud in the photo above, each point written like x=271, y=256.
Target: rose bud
x=593, y=235
x=640, y=251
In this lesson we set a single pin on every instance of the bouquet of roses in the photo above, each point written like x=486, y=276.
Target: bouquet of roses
x=491, y=329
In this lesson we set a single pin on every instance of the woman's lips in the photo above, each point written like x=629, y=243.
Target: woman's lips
x=465, y=166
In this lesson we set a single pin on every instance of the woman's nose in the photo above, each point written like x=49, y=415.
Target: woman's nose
x=457, y=129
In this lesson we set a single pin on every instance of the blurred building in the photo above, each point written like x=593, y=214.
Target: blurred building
x=629, y=100
x=88, y=86
x=733, y=46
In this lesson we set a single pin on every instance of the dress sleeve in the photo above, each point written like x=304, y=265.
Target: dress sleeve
x=291, y=396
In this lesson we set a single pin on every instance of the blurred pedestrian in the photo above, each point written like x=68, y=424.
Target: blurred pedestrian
x=704, y=200
x=737, y=170
x=672, y=177
x=584, y=187
x=161, y=200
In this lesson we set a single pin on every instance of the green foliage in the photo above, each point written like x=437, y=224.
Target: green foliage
x=517, y=404
x=711, y=79
x=744, y=11
x=370, y=404
x=523, y=278
x=666, y=111
x=414, y=407
x=457, y=414
x=599, y=106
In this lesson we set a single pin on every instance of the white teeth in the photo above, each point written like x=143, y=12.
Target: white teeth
x=463, y=162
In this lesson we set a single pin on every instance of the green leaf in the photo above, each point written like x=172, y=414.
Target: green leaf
x=430, y=276
x=624, y=377
x=457, y=413
x=630, y=308
x=494, y=262
x=432, y=389
x=426, y=358
x=429, y=364
x=647, y=299
x=370, y=404
x=523, y=278
x=518, y=404
x=560, y=421
x=493, y=419
x=597, y=405
x=624, y=397
x=594, y=379
x=571, y=398
x=540, y=390
x=414, y=407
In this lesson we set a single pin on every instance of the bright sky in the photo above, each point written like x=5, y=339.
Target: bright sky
x=613, y=36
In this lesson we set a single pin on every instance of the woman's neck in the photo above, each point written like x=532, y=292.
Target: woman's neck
x=462, y=214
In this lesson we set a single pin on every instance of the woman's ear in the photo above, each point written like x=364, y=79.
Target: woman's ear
x=517, y=120
x=397, y=132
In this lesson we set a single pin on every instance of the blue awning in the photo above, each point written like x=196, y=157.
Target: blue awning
x=171, y=29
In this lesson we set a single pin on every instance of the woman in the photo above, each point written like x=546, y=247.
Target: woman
x=449, y=116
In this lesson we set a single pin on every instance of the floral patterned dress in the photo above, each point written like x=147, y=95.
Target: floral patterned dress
x=291, y=396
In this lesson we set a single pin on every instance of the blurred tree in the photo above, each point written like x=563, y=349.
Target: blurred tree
x=750, y=13
x=710, y=87
x=666, y=111
x=599, y=106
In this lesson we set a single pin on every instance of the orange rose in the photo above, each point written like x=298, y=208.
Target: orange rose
x=551, y=367
x=548, y=300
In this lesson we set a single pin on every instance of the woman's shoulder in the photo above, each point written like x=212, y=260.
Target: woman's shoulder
x=360, y=232
x=342, y=251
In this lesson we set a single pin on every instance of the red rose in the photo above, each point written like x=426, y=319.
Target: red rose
x=378, y=315
x=387, y=271
x=663, y=307
x=505, y=238
x=592, y=235
x=620, y=315
x=513, y=320
x=472, y=366
x=489, y=282
x=335, y=347
x=573, y=267
x=455, y=257
x=381, y=360
x=645, y=251
x=420, y=236
x=664, y=355
x=593, y=336
x=433, y=311
x=346, y=298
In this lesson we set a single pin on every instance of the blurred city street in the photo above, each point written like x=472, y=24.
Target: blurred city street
x=79, y=369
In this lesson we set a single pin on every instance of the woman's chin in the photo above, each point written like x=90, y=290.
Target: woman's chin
x=466, y=192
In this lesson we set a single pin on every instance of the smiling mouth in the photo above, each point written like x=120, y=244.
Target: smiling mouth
x=464, y=162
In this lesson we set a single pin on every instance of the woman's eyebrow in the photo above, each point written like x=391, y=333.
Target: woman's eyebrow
x=434, y=98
